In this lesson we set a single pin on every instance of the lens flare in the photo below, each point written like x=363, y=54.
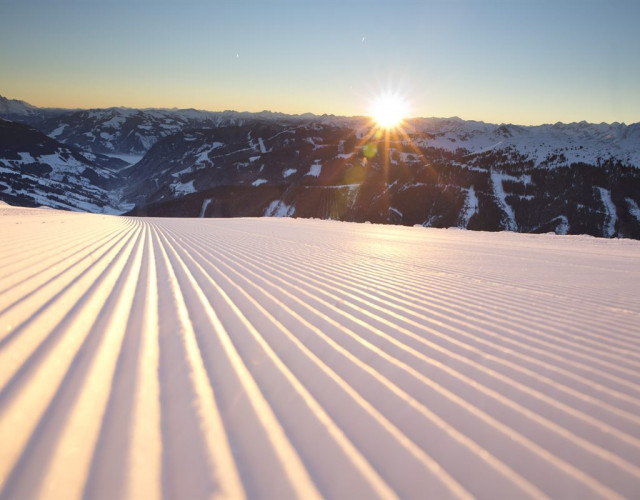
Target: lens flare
x=388, y=110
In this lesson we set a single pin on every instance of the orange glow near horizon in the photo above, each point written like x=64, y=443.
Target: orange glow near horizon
x=388, y=110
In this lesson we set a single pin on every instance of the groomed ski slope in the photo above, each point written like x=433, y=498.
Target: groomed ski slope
x=280, y=358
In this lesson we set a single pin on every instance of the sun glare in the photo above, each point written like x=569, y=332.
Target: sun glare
x=388, y=110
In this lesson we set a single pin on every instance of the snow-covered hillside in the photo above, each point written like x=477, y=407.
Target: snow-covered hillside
x=280, y=358
x=576, y=178
x=37, y=170
x=130, y=131
x=349, y=174
x=577, y=142
x=14, y=107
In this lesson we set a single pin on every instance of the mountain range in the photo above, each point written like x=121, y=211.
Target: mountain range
x=577, y=178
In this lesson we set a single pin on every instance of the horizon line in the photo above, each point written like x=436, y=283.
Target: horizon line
x=408, y=118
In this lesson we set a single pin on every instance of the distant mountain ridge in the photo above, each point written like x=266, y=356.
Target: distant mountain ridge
x=120, y=130
x=15, y=107
x=129, y=131
x=567, y=178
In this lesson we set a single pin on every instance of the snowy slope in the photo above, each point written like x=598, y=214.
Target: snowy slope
x=37, y=170
x=576, y=142
x=321, y=170
x=325, y=172
x=14, y=107
x=132, y=131
x=280, y=358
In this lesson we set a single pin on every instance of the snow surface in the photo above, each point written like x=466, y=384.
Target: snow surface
x=633, y=208
x=578, y=142
x=563, y=225
x=315, y=170
x=288, y=172
x=115, y=123
x=202, y=157
x=15, y=106
x=278, y=208
x=396, y=211
x=66, y=175
x=280, y=358
x=470, y=207
x=184, y=188
x=131, y=159
x=501, y=196
x=55, y=133
x=205, y=204
x=610, y=209
x=26, y=158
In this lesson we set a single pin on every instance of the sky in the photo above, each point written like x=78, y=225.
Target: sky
x=501, y=61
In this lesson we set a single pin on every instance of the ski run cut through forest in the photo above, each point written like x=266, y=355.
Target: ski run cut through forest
x=281, y=358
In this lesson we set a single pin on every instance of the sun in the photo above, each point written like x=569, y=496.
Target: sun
x=389, y=110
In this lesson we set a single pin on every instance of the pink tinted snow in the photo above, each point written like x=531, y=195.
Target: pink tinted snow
x=285, y=358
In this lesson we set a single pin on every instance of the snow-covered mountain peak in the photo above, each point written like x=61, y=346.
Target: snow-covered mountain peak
x=15, y=107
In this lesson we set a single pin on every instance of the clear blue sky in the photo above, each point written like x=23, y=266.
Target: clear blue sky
x=515, y=61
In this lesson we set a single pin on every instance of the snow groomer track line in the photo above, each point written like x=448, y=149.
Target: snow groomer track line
x=281, y=358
